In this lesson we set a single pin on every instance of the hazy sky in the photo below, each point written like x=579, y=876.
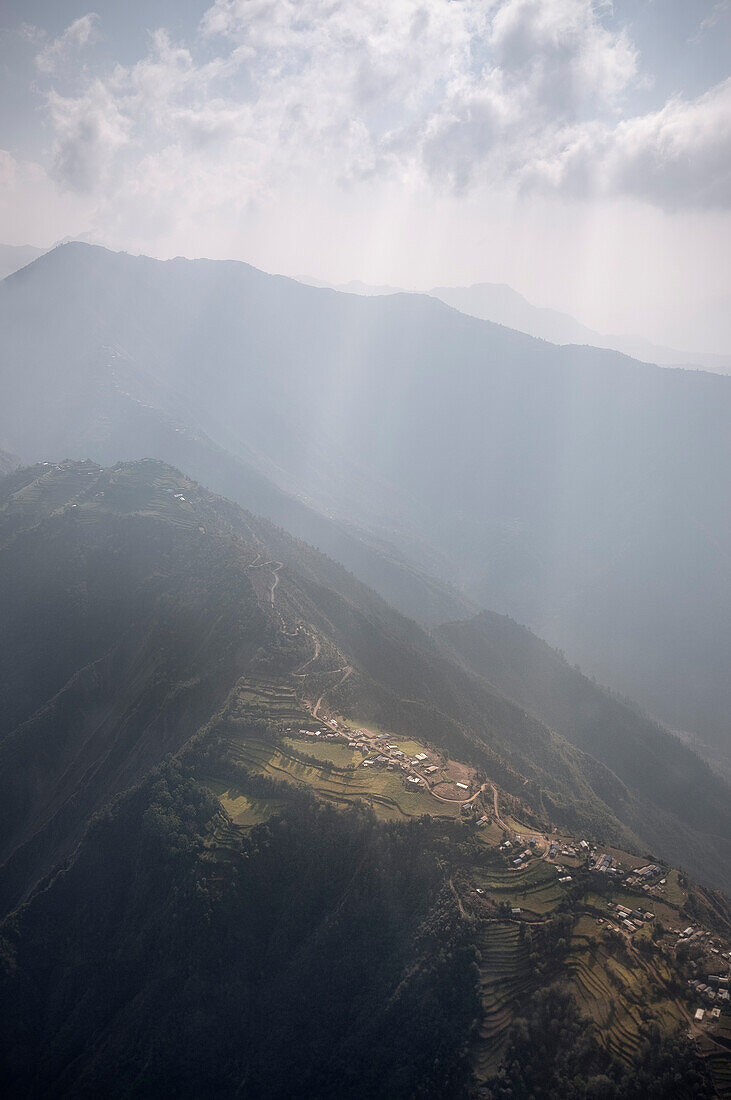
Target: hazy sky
x=578, y=150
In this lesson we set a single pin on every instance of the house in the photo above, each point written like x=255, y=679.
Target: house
x=515, y=912
x=518, y=862
x=414, y=779
x=431, y=769
x=462, y=786
x=699, y=1014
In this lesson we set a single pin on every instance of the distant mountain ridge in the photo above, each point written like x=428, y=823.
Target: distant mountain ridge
x=500, y=303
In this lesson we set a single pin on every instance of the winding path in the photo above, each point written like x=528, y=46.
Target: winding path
x=347, y=671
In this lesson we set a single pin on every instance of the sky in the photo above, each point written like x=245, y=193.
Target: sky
x=579, y=150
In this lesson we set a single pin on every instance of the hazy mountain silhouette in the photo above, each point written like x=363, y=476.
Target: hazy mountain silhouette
x=500, y=303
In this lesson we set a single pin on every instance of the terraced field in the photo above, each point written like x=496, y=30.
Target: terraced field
x=620, y=998
x=504, y=978
x=269, y=699
x=717, y=1049
x=534, y=887
x=384, y=791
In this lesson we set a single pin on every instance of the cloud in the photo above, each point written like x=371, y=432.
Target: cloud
x=679, y=156
x=418, y=94
x=89, y=131
x=80, y=33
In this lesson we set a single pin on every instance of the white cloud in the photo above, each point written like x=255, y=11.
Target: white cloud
x=679, y=156
x=89, y=130
x=78, y=34
x=421, y=94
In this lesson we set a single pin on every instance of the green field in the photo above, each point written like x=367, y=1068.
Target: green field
x=384, y=791
x=244, y=810
x=333, y=752
x=534, y=887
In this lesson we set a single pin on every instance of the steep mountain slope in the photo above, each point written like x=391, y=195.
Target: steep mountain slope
x=640, y=752
x=15, y=256
x=199, y=896
x=152, y=599
x=500, y=303
x=297, y=966
x=575, y=489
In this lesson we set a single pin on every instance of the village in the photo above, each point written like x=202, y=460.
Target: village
x=421, y=770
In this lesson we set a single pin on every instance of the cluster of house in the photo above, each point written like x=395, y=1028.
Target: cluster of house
x=521, y=858
x=632, y=919
x=691, y=935
x=390, y=757
x=700, y=1013
x=715, y=988
x=603, y=864
x=643, y=876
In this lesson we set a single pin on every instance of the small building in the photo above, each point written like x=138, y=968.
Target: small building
x=515, y=912
x=699, y=1014
x=462, y=786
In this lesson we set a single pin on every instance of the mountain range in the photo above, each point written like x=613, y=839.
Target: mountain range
x=451, y=463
